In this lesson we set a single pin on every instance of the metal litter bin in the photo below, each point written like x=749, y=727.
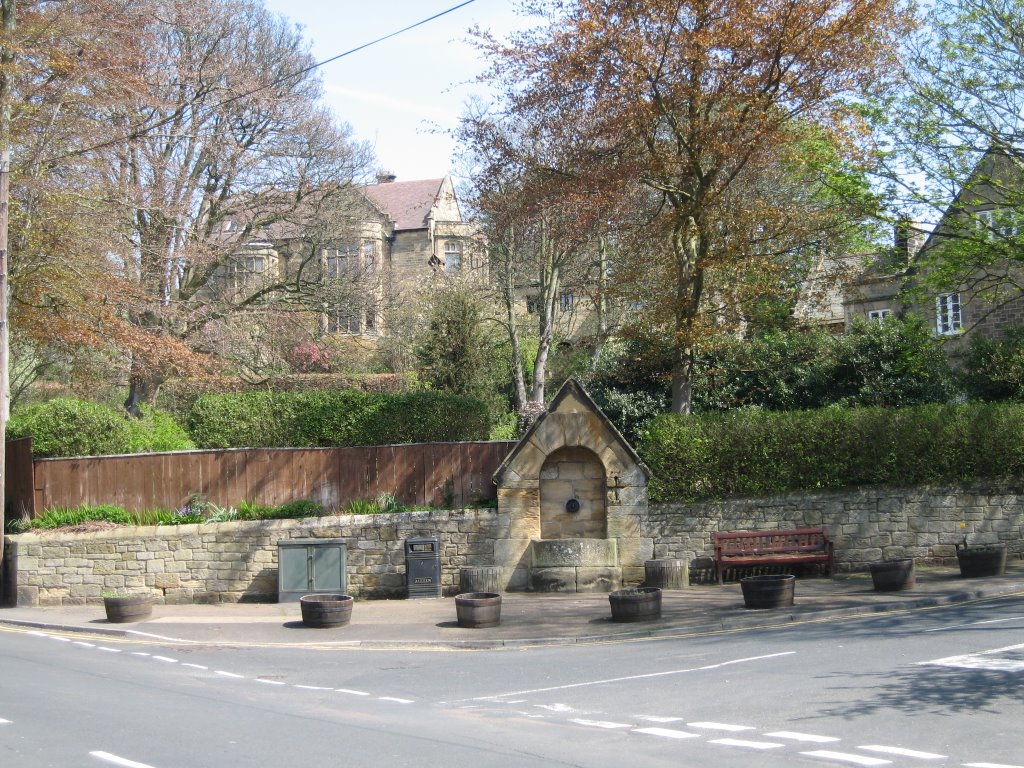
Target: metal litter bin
x=423, y=566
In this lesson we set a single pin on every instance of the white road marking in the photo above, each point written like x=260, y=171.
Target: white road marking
x=84, y=644
x=668, y=733
x=119, y=760
x=647, y=676
x=62, y=639
x=139, y=653
x=600, y=723
x=747, y=744
x=269, y=682
x=350, y=691
x=194, y=666
x=976, y=660
x=659, y=719
x=555, y=707
x=797, y=736
x=39, y=634
x=4, y=722
x=844, y=757
x=974, y=624
x=168, y=659
x=314, y=688
x=108, y=650
x=902, y=752
x=397, y=701
x=720, y=726
x=990, y=765
x=230, y=674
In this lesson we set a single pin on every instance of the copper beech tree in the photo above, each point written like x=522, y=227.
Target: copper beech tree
x=698, y=102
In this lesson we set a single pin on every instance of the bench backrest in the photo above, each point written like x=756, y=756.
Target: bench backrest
x=769, y=542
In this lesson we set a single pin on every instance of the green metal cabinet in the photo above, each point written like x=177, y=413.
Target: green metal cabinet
x=307, y=566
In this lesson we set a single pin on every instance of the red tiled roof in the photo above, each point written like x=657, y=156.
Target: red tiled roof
x=407, y=202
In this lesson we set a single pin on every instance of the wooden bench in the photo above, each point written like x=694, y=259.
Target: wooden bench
x=799, y=545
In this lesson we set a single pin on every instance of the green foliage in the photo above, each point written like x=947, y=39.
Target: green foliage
x=361, y=507
x=890, y=364
x=994, y=369
x=335, y=418
x=69, y=427
x=754, y=452
x=506, y=427
x=60, y=517
x=297, y=510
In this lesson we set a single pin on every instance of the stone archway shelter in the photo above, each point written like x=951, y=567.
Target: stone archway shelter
x=576, y=543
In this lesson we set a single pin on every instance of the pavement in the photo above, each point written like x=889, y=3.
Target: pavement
x=527, y=619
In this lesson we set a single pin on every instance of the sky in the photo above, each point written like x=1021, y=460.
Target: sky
x=400, y=95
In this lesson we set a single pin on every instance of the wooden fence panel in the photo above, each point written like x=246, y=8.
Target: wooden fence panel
x=431, y=474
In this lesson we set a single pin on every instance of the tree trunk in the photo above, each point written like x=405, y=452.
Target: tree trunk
x=688, y=246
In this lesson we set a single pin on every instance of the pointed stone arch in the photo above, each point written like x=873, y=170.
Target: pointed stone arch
x=546, y=541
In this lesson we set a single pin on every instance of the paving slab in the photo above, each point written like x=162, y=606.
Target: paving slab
x=527, y=619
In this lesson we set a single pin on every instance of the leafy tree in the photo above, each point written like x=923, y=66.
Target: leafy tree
x=696, y=104
x=456, y=351
x=957, y=134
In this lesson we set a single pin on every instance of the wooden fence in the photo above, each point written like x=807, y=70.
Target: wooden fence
x=436, y=474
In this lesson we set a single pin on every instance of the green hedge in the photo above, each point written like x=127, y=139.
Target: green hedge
x=335, y=418
x=756, y=453
x=65, y=426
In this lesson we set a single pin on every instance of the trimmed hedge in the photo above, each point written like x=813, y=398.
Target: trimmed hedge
x=65, y=426
x=758, y=453
x=335, y=418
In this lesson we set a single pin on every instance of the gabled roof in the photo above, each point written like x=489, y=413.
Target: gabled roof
x=572, y=400
x=408, y=203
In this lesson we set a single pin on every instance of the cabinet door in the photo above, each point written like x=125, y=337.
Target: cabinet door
x=328, y=569
x=293, y=563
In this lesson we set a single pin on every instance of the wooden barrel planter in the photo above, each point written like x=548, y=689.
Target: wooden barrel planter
x=638, y=604
x=125, y=608
x=981, y=560
x=775, y=591
x=893, y=575
x=325, y=611
x=481, y=579
x=666, y=574
x=476, y=610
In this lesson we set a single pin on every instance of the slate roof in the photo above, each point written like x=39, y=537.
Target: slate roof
x=408, y=203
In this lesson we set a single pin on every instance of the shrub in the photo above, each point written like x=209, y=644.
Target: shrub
x=994, y=369
x=335, y=418
x=754, y=452
x=296, y=510
x=68, y=427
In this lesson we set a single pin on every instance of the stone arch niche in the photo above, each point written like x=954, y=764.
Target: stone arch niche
x=573, y=495
x=572, y=453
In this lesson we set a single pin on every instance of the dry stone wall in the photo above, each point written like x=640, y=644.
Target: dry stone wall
x=233, y=562
x=867, y=525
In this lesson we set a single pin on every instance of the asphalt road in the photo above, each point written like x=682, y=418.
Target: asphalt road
x=937, y=687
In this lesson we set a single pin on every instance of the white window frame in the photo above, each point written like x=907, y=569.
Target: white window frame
x=452, y=256
x=879, y=315
x=949, y=319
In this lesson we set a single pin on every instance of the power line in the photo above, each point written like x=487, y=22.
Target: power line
x=142, y=128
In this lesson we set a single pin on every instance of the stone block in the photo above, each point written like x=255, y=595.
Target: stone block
x=555, y=553
x=28, y=595
x=634, y=552
x=598, y=579
x=553, y=579
x=167, y=581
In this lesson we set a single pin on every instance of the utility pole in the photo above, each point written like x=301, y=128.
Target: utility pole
x=7, y=8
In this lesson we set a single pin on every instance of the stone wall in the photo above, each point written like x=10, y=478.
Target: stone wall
x=232, y=562
x=866, y=524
